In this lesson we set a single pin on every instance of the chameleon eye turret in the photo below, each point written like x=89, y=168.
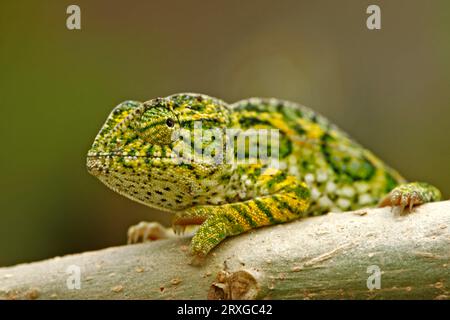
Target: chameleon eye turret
x=320, y=168
x=157, y=125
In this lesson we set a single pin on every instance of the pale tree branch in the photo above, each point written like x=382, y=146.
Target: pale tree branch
x=326, y=257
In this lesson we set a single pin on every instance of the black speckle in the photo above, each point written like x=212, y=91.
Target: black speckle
x=159, y=192
x=167, y=188
x=149, y=193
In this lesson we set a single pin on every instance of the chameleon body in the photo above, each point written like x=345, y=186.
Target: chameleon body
x=319, y=169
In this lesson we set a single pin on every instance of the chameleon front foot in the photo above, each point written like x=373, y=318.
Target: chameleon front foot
x=187, y=221
x=147, y=231
x=291, y=202
x=410, y=195
x=211, y=233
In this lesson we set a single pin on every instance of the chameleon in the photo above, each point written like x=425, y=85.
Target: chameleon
x=319, y=168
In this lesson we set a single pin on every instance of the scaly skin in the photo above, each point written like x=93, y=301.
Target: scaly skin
x=320, y=168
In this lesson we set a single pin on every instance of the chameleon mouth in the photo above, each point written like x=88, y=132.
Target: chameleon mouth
x=99, y=163
x=94, y=165
x=115, y=155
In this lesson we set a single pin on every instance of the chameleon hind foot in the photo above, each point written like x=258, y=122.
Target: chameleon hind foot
x=409, y=195
x=147, y=231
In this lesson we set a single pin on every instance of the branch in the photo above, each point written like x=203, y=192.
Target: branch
x=324, y=257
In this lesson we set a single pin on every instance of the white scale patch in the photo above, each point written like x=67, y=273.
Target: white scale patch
x=331, y=187
x=321, y=176
x=361, y=187
x=365, y=199
x=343, y=203
x=346, y=191
x=315, y=193
x=325, y=202
x=309, y=178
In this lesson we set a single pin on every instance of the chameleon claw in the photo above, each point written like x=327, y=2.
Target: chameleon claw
x=146, y=231
x=179, y=229
x=410, y=195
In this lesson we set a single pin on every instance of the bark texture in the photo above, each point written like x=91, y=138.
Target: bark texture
x=334, y=256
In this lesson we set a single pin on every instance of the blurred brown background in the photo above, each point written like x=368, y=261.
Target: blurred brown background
x=389, y=89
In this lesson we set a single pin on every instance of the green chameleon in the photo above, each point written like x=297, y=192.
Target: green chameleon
x=319, y=168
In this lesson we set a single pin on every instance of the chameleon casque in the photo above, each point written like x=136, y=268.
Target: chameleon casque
x=320, y=168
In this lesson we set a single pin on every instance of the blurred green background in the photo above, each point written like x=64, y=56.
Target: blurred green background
x=390, y=89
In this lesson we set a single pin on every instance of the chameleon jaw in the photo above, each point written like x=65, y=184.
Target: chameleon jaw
x=94, y=166
x=139, y=184
x=98, y=163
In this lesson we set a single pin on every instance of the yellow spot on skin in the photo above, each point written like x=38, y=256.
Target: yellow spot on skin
x=289, y=181
x=268, y=173
x=258, y=216
x=274, y=210
x=242, y=222
x=122, y=116
x=313, y=130
x=281, y=124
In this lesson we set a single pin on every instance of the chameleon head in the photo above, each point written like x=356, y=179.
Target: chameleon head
x=135, y=152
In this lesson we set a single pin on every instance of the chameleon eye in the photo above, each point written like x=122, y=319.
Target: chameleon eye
x=156, y=125
x=170, y=123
